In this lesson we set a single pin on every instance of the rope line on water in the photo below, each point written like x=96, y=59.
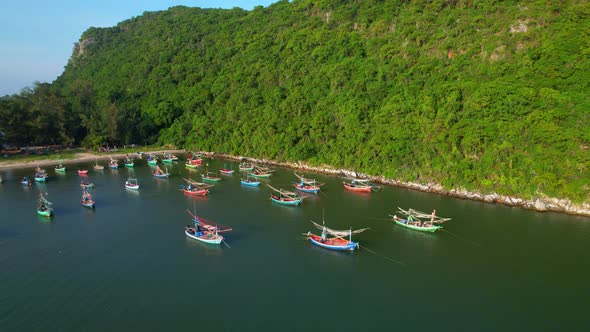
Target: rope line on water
x=386, y=257
x=461, y=238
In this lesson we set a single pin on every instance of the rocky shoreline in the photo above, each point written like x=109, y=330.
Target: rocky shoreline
x=541, y=204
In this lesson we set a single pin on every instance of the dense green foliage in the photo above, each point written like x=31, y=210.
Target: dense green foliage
x=475, y=94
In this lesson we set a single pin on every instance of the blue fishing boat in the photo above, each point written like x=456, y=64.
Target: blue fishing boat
x=307, y=185
x=249, y=182
x=338, y=240
x=284, y=197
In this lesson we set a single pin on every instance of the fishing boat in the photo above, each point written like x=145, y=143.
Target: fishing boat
x=246, y=166
x=261, y=172
x=307, y=185
x=44, y=209
x=98, y=167
x=194, y=159
x=113, y=164
x=419, y=221
x=174, y=158
x=226, y=171
x=132, y=184
x=284, y=197
x=191, y=166
x=168, y=158
x=129, y=162
x=204, y=230
x=40, y=175
x=359, y=185
x=194, y=188
x=210, y=177
x=152, y=160
x=26, y=182
x=338, y=240
x=249, y=182
x=159, y=173
x=85, y=184
x=83, y=172
x=60, y=168
x=86, y=200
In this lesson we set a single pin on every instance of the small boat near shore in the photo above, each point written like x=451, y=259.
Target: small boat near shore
x=307, y=185
x=60, y=169
x=419, y=221
x=113, y=164
x=83, y=172
x=98, y=167
x=359, y=185
x=152, y=160
x=159, y=173
x=261, y=172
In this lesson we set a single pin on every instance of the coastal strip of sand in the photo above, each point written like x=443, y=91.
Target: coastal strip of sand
x=82, y=157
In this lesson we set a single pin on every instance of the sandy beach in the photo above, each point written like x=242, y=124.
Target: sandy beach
x=82, y=157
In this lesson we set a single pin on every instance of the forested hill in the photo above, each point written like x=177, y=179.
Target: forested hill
x=483, y=95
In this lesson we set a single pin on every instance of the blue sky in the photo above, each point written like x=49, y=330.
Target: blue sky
x=37, y=37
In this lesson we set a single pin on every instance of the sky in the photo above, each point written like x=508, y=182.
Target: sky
x=37, y=36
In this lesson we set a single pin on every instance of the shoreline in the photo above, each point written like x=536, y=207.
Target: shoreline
x=540, y=204
x=78, y=158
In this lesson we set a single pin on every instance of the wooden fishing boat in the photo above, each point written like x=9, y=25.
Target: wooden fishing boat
x=40, y=175
x=284, y=197
x=168, y=158
x=194, y=159
x=86, y=199
x=194, y=188
x=338, y=240
x=192, y=166
x=26, y=182
x=113, y=164
x=60, y=169
x=159, y=173
x=249, y=182
x=210, y=177
x=129, y=163
x=152, y=160
x=132, y=184
x=226, y=171
x=83, y=172
x=307, y=185
x=246, y=166
x=419, y=221
x=98, y=167
x=44, y=209
x=261, y=172
x=86, y=184
x=204, y=230
x=359, y=185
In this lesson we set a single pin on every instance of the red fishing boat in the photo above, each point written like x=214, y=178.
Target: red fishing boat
x=194, y=188
x=359, y=185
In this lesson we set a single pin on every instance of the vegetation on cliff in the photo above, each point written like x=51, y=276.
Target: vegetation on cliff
x=474, y=94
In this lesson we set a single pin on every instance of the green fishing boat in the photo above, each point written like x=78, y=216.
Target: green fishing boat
x=211, y=177
x=60, y=169
x=189, y=165
x=419, y=221
x=44, y=208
